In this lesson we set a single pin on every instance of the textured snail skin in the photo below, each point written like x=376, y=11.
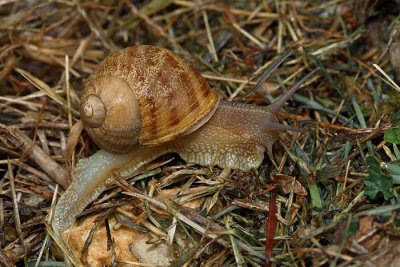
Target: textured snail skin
x=236, y=136
x=93, y=175
x=228, y=135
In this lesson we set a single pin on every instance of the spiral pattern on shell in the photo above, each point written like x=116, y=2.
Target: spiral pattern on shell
x=173, y=99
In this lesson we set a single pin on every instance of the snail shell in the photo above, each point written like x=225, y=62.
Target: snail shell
x=146, y=95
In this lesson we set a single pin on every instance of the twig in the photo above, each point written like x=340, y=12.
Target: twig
x=55, y=171
x=270, y=233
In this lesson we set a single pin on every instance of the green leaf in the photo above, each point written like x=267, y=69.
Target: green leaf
x=377, y=180
x=394, y=170
x=393, y=135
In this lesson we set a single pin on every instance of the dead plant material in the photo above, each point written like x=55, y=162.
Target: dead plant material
x=16, y=139
x=337, y=186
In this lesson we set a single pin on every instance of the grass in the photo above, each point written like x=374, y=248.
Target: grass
x=346, y=164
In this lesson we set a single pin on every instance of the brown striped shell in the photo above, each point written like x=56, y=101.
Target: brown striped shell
x=144, y=94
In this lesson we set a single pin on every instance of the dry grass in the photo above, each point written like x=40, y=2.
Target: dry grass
x=324, y=217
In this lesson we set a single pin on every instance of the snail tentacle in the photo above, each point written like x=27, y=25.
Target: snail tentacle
x=273, y=126
x=278, y=104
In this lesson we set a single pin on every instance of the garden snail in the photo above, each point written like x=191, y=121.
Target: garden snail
x=142, y=102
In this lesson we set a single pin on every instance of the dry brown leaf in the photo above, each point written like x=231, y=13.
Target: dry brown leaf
x=97, y=252
x=367, y=237
x=389, y=256
x=286, y=182
x=130, y=245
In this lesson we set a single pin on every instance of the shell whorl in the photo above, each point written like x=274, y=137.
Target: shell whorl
x=173, y=98
x=94, y=112
x=110, y=113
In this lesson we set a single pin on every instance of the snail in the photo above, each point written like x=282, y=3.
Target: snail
x=143, y=102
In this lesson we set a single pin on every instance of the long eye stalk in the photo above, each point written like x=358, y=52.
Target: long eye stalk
x=281, y=101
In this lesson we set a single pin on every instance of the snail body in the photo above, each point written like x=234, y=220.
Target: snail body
x=143, y=102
